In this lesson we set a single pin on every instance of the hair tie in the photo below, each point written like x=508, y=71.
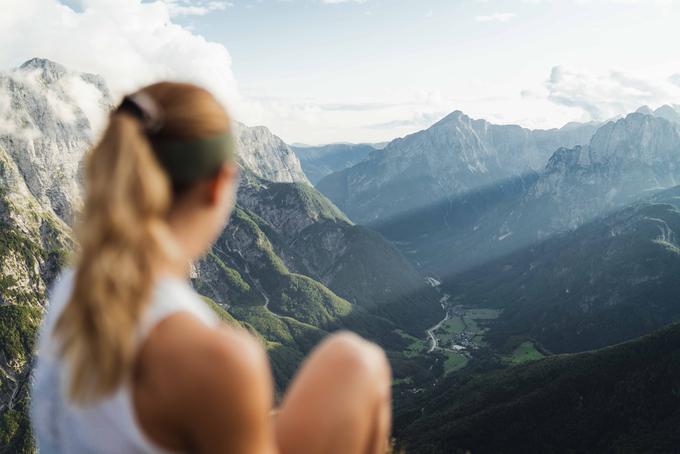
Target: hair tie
x=145, y=109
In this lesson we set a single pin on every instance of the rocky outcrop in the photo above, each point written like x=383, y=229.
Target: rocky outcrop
x=267, y=156
x=625, y=160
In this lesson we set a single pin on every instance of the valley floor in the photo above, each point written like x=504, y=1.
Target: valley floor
x=460, y=337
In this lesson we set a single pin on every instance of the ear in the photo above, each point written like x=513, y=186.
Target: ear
x=225, y=177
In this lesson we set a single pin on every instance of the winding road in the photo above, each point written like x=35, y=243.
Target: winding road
x=434, y=342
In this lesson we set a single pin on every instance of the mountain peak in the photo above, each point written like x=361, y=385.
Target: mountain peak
x=565, y=159
x=455, y=116
x=636, y=138
x=668, y=113
x=645, y=110
x=51, y=71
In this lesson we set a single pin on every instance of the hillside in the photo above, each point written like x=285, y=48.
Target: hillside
x=608, y=281
x=34, y=244
x=624, y=398
x=290, y=265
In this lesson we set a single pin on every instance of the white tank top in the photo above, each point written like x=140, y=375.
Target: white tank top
x=109, y=425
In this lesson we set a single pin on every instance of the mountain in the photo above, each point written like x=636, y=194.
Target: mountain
x=630, y=156
x=41, y=132
x=608, y=281
x=318, y=162
x=290, y=266
x=455, y=156
x=267, y=156
x=624, y=161
x=48, y=116
x=623, y=398
x=293, y=267
x=34, y=244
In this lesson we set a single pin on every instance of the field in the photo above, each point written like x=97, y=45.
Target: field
x=523, y=353
x=457, y=337
x=465, y=329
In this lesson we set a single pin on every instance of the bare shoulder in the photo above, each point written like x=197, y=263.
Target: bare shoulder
x=202, y=379
x=187, y=352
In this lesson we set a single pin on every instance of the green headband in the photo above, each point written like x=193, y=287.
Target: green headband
x=187, y=161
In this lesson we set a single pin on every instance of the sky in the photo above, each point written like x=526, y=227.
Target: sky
x=323, y=71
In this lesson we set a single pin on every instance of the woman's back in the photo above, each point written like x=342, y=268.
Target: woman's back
x=109, y=424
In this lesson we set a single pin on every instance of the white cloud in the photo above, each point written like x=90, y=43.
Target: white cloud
x=128, y=42
x=384, y=115
x=496, y=17
x=195, y=7
x=603, y=96
x=333, y=2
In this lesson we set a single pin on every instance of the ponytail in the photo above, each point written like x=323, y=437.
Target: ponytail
x=164, y=137
x=123, y=235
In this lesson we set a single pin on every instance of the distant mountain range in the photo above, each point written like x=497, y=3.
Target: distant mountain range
x=453, y=157
x=624, y=161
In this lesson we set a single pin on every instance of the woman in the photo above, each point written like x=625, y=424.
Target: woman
x=131, y=360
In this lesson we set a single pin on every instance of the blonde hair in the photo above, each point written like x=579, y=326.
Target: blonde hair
x=122, y=234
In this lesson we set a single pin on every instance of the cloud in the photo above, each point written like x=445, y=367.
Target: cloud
x=603, y=96
x=195, y=7
x=128, y=42
x=675, y=79
x=382, y=115
x=333, y=2
x=416, y=120
x=496, y=17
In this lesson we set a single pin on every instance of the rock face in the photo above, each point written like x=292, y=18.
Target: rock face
x=34, y=245
x=267, y=156
x=455, y=156
x=625, y=159
x=667, y=112
x=48, y=118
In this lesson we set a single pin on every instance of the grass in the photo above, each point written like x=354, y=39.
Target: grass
x=416, y=346
x=523, y=353
x=449, y=330
x=221, y=312
x=402, y=381
x=468, y=322
x=482, y=314
x=454, y=362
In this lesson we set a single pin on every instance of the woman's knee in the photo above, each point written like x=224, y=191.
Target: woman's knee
x=358, y=357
